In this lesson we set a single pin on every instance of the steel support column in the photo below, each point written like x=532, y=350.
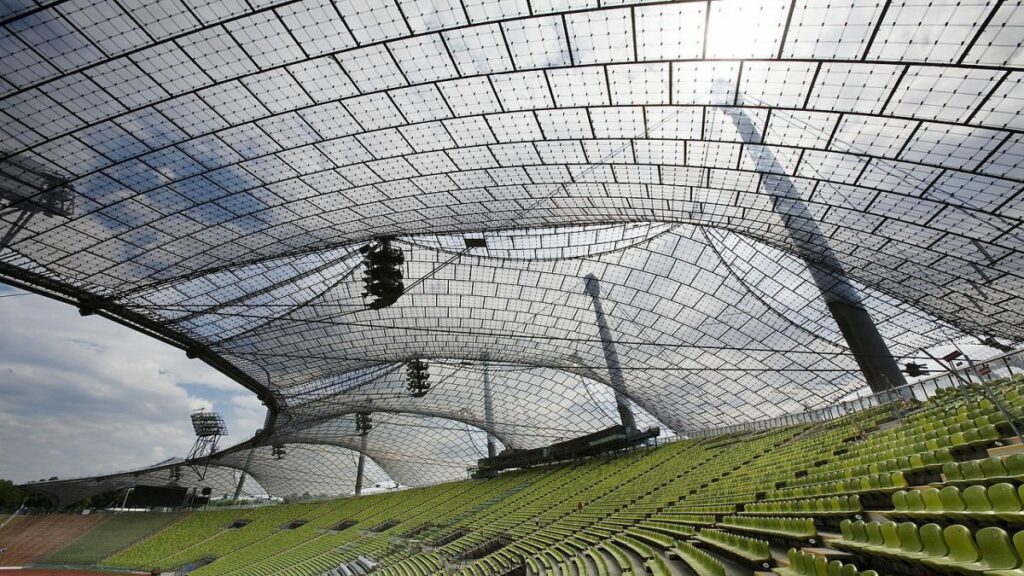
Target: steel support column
x=611, y=355
x=241, y=479
x=361, y=466
x=492, y=449
x=843, y=300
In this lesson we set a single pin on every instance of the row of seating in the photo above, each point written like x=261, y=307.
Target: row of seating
x=750, y=550
x=920, y=461
x=791, y=528
x=833, y=506
x=677, y=531
x=989, y=470
x=804, y=564
x=953, y=548
x=885, y=482
x=702, y=563
x=999, y=502
x=688, y=518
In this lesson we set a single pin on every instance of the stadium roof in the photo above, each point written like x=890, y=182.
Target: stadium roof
x=229, y=159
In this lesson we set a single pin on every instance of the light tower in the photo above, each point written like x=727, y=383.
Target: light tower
x=209, y=427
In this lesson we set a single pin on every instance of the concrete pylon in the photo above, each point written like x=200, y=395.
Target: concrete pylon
x=842, y=298
x=241, y=478
x=362, y=465
x=492, y=449
x=611, y=355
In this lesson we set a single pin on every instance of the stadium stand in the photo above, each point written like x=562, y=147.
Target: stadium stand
x=108, y=536
x=907, y=484
x=26, y=539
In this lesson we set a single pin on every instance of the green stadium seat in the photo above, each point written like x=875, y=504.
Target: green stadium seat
x=702, y=563
x=890, y=540
x=915, y=505
x=962, y=549
x=997, y=553
x=952, y=502
x=1014, y=464
x=978, y=505
x=933, y=544
x=951, y=472
x=1006, y=502
x=932, y=500
x=1018, y=547
x=875, y=538
x=910, y=540
x=972, y=471
x=993, y=467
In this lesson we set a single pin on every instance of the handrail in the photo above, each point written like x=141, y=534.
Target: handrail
x=1000, y=366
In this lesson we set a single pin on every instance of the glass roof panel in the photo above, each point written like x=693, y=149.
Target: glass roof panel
x=228, y=161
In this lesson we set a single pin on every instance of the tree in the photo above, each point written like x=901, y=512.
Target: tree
x=10, y=495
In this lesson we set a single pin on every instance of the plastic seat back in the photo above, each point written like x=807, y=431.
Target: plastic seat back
x=1014, y=464
x=932, y=542
x=951, y=499
x=874, y=532
x=834, y=568
x=976, y=500
x=796, y=560
x=951, y=472
x=1004, y=498
x=899, y=501
x=962, y=549
x=997, y=551
x=972, y=470
x=992, y=467
x=1018, y=544
x=915, y=503
x=910, y=540
x=846, y=528
x=890, y=539
x=820, y=566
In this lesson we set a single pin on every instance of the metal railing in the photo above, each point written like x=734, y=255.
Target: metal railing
x=994, y=368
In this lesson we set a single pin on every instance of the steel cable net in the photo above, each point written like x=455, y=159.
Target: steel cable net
x=227, y=164
x=303, y=470
x=698, y=345
x=412, y=449
x=522, y=407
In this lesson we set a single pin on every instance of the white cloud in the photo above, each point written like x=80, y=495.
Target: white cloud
x=83, y=396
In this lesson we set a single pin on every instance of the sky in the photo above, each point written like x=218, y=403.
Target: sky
x=85, y=396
